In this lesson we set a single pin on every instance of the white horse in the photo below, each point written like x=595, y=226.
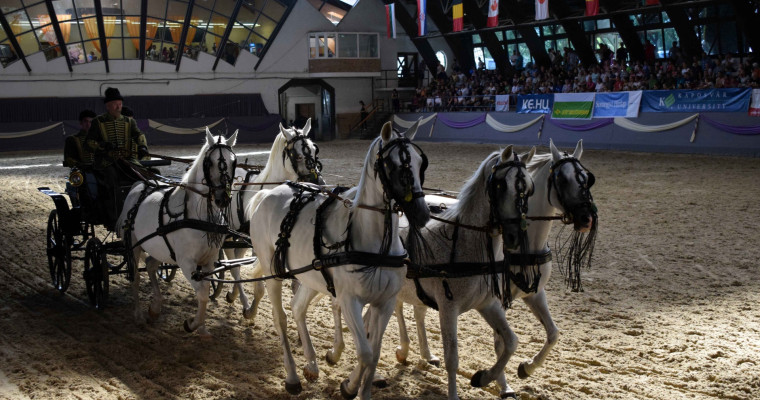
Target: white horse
x=370, y=269
x=293, y=157
x=488, y=216
x=182, y=225
x=562, y=187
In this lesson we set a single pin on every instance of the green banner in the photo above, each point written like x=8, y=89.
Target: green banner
x=572, y=110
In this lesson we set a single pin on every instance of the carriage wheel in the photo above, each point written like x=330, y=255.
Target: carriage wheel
x=166, y=272
x=96, y=272
x=58, y=253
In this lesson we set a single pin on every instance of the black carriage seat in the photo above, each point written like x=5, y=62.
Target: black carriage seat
x=99, y=207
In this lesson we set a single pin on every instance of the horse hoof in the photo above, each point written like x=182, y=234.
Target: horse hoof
x=400, y=357
x=293, y=388
x=249, y=313
x=521, y=372
x=187, y=327
x=380, y=383
x=309, y=375
x=229, y=297
x=344, y=391
x=329, y=358
x=435, y=362
x=508, y=395
x=477, y=378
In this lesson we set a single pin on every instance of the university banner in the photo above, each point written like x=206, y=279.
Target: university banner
x=534, y=103
x=754, y=107
x=706, y=100
x=617, y=104
x=573, y=105
x=502, y=102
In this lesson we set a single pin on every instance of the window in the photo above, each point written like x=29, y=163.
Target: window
x=343, y=45
x=441, y=56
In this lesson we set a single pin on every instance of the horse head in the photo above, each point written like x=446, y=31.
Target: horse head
x=401, y=165
x=509, y=185
x=302, y=153
x=570, y=188
x=219, y=163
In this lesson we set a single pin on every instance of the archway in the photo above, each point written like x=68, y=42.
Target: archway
x=309, y=98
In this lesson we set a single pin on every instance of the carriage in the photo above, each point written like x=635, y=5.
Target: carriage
x=72, y=235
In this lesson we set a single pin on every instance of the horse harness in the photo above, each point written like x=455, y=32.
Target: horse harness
x=312, y=161
x=216, y=231
x=525, y=281
x=585, y=183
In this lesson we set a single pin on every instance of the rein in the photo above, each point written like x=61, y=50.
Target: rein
x=253, y=167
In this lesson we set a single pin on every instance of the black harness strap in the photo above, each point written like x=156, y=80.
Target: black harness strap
x=245, y=226
x=165, y=208
x=319, y=243
x=468, y=269
x=288, y=223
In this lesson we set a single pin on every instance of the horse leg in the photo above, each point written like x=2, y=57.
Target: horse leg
x=137, y=254
x=258, y=291
x=237, y=288
x=402, y=351
x=154, y=309
x=280, y=320
x=299, y=305
x=352, y=312
x=378, y=317
x=448, y=319
x=333, y=355
x=419, y=318
x=505, y=340
x=202, y=294
x=538, y=305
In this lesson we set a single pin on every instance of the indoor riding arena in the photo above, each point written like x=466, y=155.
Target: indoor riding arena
x=669, y=302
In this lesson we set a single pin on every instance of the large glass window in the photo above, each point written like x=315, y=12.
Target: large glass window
x=345, y=45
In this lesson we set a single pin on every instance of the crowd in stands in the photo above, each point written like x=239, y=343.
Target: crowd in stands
x=475, y=89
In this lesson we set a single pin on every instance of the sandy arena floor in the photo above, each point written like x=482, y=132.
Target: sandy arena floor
x=670, y=308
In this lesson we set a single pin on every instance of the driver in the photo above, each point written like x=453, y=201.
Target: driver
x=114, y=137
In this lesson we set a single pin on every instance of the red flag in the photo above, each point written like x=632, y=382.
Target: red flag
x=458, y=15
x=592, y=8
x=651, y=2
x=493, y=14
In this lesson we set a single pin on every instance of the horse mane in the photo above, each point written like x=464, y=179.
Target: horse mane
x=368, y=163
x=277, y=147
x=468, y=195
x=538, y=161
x=191, y=172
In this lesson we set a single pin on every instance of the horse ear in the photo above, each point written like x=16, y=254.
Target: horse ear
x=306, y=128
x=506, y=155
x=409, y=134
x=387, y=132
x=232, y=139
x=209, y=137
x=555, y=153
x=286, y=133
x=578, y=150
x=525, y=159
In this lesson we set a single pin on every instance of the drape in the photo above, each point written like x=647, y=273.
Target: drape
x=65, y=26
x=91, y=26
x=133, y=27
x=496, y=125
x=627, y=124
x=180, y=131
x=175, y=27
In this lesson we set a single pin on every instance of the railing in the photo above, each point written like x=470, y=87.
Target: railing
x=373, y=108
x=455, y=103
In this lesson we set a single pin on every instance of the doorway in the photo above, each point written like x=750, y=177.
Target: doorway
x=301, y=99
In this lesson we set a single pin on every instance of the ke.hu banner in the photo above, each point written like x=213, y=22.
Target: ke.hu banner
x=723, y=100
x=534, y=103
x=617, y=104
x=573, y=105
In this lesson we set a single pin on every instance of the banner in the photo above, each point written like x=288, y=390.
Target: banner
x=458, y=16
x=754, y=108
x=723, y=100
x=493, y=14
x=617, y=104
x=573, y=105
x=534, y=103
x=592, y=8
x=542, y=9
x=421, y=15
x=502, y=102
x=390, y=20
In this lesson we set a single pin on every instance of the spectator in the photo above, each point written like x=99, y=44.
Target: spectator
x=621, y=56
x=649, y=52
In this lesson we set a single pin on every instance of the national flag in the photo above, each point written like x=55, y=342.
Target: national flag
x=493, y=14
x=458, y=15
x=390, y=20
x=421, y=15
x=542, y=9
x=651, y=2
x=592, y=8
